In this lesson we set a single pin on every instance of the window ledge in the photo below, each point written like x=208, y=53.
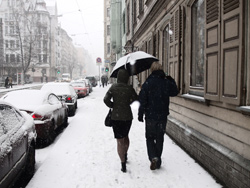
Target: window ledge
x=194, y=97
x=244, y=109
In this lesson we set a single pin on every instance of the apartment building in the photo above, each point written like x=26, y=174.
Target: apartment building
x=31, y=47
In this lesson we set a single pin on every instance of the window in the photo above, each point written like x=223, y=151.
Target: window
x=108, y=48
x=6, y=44
x=6, y=16
x=45, y=58
x=123, y=23
x=7, y=58
x=128, y=19
x=134, y=12
x=6, y=30
x=166, y=48
x=141, y=8
x=11, y=16
x=108, y=12
x=108, y=30
x=224, y=32
x=198, y=28
x=39, y=30
x=12, y=30
x=40, y=58
x=18, y=58
x=12, y=58
x=39, y=44
x=12, y=44
x=17, y=44
x=44, y=44
x=17, y=30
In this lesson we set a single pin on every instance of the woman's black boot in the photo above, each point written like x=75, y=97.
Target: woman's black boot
x=124, y=167
x=126, y=157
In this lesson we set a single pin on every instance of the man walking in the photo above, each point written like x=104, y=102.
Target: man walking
x=6, y=83
x=154, y=104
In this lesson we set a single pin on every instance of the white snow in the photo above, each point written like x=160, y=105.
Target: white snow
x=35, y=101
x=85, y=155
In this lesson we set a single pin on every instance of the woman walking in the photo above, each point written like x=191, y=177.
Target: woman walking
x=119, y=97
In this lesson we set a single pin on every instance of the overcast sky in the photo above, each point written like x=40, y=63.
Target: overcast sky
x=83, y=20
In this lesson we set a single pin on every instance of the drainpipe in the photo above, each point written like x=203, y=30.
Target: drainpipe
x=247, y=56
x=132, y=35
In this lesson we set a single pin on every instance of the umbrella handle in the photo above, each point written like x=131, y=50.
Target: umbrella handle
x=126, y=63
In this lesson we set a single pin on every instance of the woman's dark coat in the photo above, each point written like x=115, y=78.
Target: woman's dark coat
x=119, y=97
x=154, y=96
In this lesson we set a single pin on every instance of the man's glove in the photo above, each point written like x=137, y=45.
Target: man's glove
x=140, y=118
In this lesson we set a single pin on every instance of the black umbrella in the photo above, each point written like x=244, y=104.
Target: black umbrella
x=135, y=63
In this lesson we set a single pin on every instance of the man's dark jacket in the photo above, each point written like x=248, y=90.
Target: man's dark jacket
x=119, y=97
x=154, y=96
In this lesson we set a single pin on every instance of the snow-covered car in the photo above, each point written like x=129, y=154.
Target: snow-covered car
x=92, y=80
x=48, y=112
x=81, y=88
x=89, y=85
x=65, y=92
x=17, y=145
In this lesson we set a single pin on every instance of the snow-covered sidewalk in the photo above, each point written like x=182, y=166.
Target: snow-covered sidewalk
x=85, y=155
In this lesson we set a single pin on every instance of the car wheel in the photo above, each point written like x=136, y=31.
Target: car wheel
x=52, y=134
x=76, y=105
x=65, y=122
x=72, y=111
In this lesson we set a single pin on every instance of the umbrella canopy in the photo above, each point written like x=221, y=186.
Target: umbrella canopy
x=135, y=63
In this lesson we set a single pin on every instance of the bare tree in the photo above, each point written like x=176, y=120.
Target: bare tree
x=26, y=36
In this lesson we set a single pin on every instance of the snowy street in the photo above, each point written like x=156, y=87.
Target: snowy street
x=84, y=155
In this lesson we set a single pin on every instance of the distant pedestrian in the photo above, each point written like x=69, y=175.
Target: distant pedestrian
x=10, y=82
x=154, y=104
x=41, y=79
x=119, y=97
x=106, y=80
x=103, y=80
x=6, y=84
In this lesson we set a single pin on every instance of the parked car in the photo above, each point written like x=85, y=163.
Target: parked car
x=81, y=88
x=92, y=80
x=89, y=85
x=48, y=112
x=17, y=145
x=66, y=77
x=65, y=92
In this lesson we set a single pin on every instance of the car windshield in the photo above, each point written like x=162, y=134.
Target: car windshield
x=90, y=78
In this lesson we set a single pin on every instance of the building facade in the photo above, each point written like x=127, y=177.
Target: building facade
x=204, y=46
x=107, y=40
x=34, y=47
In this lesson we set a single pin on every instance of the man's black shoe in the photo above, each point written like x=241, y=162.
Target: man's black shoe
x=153, y=164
